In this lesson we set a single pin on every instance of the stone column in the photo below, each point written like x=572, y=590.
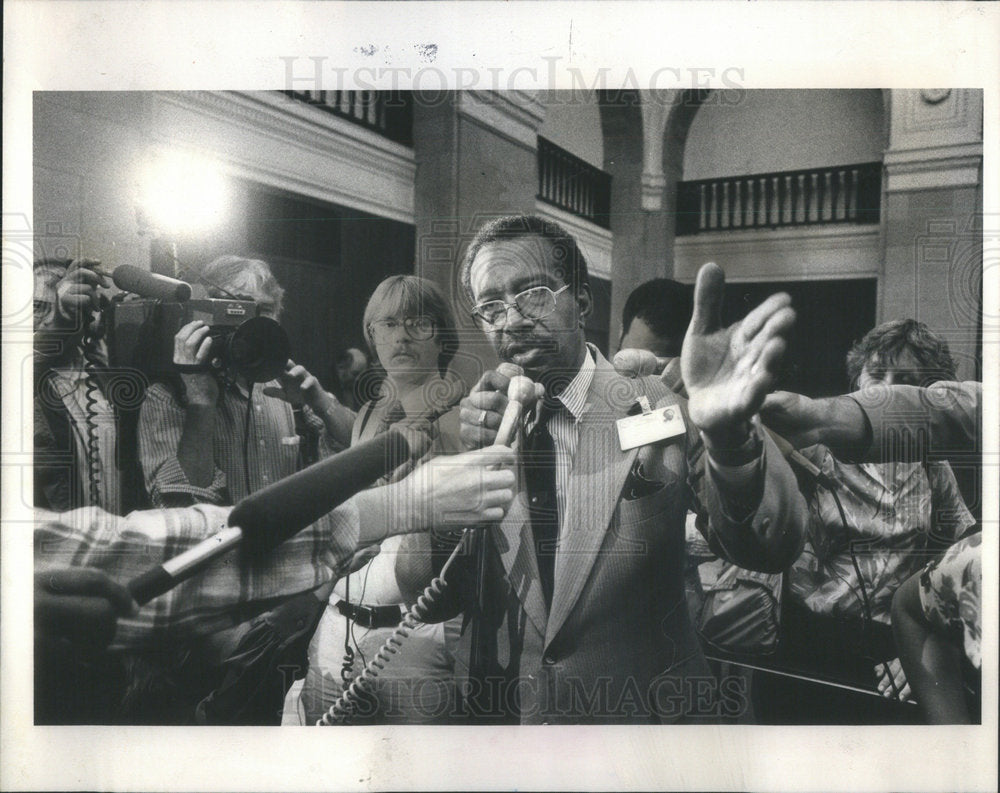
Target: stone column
x=932, y=217
x=633, y=124
x=476, y=159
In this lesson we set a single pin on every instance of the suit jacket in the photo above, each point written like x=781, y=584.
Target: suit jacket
x=617, y=645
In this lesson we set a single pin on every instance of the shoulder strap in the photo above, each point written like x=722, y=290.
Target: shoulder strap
x=364, y=414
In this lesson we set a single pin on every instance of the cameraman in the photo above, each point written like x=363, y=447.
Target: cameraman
x=84, y=438
x=215, y=437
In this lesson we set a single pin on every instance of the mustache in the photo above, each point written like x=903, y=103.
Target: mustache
x=511, y=345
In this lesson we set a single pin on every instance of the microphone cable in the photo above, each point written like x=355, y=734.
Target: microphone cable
x=865, y=602
x=821, y=479
x=91, y=364
x=341, y=710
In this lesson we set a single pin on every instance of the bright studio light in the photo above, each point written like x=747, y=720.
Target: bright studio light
x=182, y=193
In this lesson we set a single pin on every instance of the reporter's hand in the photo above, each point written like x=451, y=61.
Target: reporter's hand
x=461, y=490
x=298, y=387
x=793, y=416
x=77, y=292
x=192, y=347
x=482, y=410
x=81, y=604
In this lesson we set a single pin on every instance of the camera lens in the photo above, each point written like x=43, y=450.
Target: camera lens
x=259, y=349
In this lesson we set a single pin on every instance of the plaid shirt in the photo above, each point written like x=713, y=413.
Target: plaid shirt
x=219, y=597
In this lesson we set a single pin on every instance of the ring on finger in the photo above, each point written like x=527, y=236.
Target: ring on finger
x=481, y=419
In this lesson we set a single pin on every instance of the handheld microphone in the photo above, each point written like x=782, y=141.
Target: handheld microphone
x=151, y=285
x=796, y=458
x=520, y=395
x=265, y=519
x=634, y=362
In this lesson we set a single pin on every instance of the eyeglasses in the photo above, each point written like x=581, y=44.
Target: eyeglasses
x=417, y=328
x=535, y=303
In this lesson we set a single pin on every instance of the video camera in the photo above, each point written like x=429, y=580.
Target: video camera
x=141, y=330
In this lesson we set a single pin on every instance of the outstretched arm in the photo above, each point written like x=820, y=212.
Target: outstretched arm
x=757, y=515
x=882, y=422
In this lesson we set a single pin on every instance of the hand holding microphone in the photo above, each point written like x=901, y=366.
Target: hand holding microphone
x=268, y=517
x=484, y=409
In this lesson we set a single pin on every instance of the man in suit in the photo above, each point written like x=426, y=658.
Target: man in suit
x=577, y=613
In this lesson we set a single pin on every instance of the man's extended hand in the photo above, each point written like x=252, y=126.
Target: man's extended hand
x=794, y=416
x=298, y=387
x=729, y=371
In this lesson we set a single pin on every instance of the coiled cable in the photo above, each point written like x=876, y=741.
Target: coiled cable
x=341, y=710
x=91, y=365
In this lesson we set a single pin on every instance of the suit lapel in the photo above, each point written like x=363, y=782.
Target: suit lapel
x=600, y=468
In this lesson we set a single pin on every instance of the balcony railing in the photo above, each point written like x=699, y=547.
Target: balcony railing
x=838, y=194
x=389, y=113
x=572, y=184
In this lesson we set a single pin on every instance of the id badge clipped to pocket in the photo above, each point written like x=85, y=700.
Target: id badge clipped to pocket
x=650, y=426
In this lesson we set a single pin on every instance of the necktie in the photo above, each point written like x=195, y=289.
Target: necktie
x=539, y=466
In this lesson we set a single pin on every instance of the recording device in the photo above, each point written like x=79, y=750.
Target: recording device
x=141, y=331
x=268, y=517
x=152, y=285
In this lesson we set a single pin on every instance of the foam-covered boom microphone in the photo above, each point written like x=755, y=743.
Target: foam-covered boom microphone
x=634, y=362
x=268, y=517
x=151, y=285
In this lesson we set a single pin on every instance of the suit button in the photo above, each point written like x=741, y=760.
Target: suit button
x=548, y=660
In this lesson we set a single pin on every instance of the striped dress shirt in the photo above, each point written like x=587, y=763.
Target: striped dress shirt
x=272, y=447
x=564, y=427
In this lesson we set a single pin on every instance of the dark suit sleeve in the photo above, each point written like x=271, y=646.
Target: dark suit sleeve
x=761, y=527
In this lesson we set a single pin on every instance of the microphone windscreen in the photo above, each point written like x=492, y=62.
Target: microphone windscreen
x=633, y=362
x=151, y=285
x=271, y=515
x=521, y=389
